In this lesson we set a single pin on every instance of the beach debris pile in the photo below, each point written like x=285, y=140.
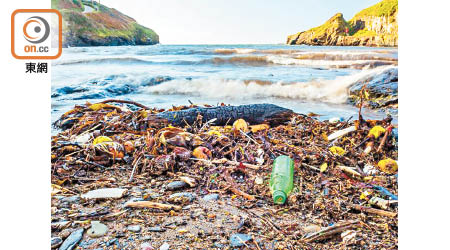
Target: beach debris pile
x=125, y=177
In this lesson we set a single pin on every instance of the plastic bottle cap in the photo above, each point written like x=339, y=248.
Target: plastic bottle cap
x=279, y=197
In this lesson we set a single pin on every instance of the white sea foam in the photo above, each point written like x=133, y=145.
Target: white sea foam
x=332, y=91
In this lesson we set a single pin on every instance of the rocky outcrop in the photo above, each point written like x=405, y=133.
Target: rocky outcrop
x=374, y=26
x=101, y=26
x=382, y=89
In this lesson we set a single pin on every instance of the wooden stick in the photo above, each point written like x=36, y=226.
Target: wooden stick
x=256, y=243
x=149, y=204
x=241, y=193
x=134, y=169
x=311, y=167
x=125, y=101
x=330, y=231
x=383, y=141
x=373, y=210
x=234, y=163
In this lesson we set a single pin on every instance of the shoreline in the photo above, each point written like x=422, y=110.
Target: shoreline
x=199, y=178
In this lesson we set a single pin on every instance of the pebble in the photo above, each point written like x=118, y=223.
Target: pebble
x=72, y=240
x=259, y=180
x=156, y=229
x=151, y=194
x=97, y=229
x=56, y=241
x=311, y=229
x=111, y=242
x=104, y=193
x=175, y=185
x=164, y=246
x=65, y=233
x=146, y=246
x=211, y=197
x=85, y=244
x=237, y=240
x=182, y=197
x=218, y=245
x=71, y=199
x=134, y=228
x=60, y=224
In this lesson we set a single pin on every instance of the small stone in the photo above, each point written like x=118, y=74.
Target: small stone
x=85, y=244
x=211, y=197
x=60, y=225
x=164, y=246
x=56, y=242
x=111, y=242
x=175, y=185
x=151, y=194
x=97, y=229
x=190, y=181
x=146, y=246
x=72, y=240
x=104, y=193
x=311, y=229
x=348, y=237
x=237, y=240
x=71, y=199
x=182, y=197
x=218, y=245
x=134, y=228
x=65, y=233
x=156, y=229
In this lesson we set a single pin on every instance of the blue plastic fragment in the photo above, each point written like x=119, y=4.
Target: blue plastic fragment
x=384, y=191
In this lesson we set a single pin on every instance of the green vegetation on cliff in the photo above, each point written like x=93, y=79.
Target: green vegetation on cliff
x=373, y=26
x=102, y=27
x=383, y=8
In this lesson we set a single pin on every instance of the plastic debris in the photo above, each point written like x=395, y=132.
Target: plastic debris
x=341, y=133
x=388, y=166
x=376, y=131
x=104, y=193
x=337, y=150
x=228, y=170
x=323, y=167
x=281, y=179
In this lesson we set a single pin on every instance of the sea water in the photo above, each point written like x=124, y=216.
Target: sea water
x=303, y=78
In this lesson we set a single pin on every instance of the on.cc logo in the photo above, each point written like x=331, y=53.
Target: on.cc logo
x=36, y=29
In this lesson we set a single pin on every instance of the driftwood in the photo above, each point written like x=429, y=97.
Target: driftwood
x=330, y=231
x=225, y=161
x=252, y=113
x=373, y=210
x=149, y=204
x=127, y=102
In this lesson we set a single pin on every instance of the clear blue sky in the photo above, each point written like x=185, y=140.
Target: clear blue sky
x=233, y=21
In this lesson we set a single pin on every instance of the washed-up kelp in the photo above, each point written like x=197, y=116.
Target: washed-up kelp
x=202, y=181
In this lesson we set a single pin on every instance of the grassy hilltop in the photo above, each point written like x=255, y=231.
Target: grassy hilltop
x=374, y=26
x=84, y=25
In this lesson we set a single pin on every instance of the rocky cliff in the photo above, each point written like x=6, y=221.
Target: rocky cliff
x=87, y=23
x=374, y=26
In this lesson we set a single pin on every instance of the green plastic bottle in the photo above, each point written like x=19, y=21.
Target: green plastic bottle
x=282, y=178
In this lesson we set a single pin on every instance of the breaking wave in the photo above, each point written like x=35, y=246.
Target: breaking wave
x=331, y=91
x=234, y=51
x=102, y=60
x=367, y=62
